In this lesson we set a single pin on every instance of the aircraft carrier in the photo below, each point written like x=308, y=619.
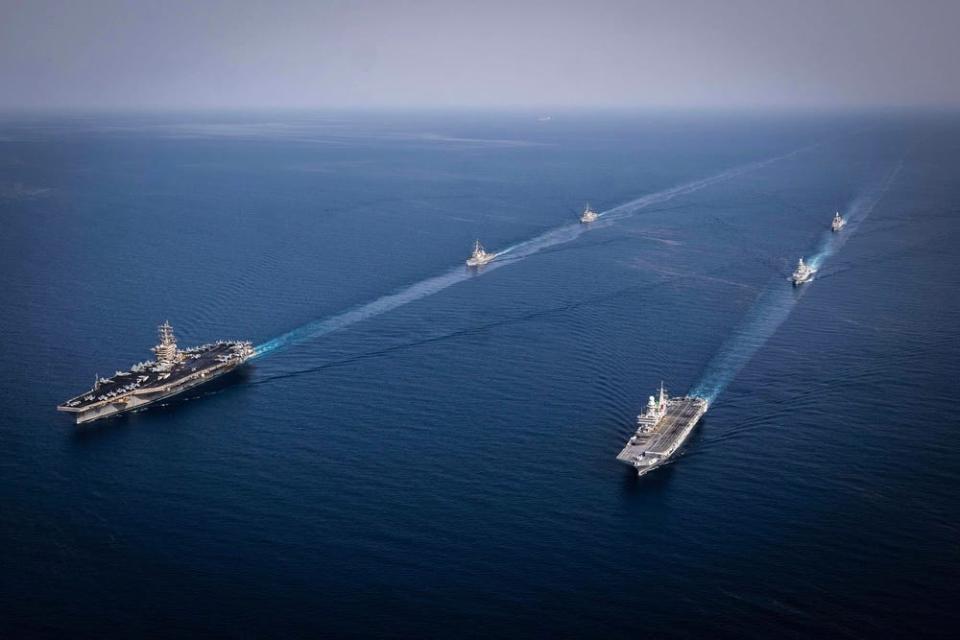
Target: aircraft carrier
x=661, y=429
x=173, y=372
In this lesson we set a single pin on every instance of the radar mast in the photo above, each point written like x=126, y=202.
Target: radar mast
x=167, y=353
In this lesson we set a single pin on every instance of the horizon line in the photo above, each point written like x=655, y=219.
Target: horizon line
x=543, y=110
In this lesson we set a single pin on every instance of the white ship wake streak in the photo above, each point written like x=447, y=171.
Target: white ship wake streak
x=778, y=300
x=514, y=253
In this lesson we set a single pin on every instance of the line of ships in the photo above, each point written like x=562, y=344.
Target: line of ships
x=662, y=427
x=804, y=272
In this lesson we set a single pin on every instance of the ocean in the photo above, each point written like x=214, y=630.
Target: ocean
x=420, y=450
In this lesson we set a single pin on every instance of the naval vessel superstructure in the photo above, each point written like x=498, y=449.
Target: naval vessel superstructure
x=838, y=223
x=479, y=256
x=803, y=273
x=173, y=372
x=662, y=428
x=588, y=215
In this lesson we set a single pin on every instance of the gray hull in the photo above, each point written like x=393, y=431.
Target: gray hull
x=646, y=451
x=145, y=397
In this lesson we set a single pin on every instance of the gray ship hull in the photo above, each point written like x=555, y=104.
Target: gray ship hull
x=146, y=397
x=174, y=372
x=648, y=450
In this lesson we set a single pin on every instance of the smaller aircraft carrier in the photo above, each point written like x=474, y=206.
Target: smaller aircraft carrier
x=174, y=371
x=661, y=429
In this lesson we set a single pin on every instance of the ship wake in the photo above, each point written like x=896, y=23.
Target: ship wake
x=510, y=255
x=774, y=305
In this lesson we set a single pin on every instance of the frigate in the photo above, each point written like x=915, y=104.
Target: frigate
x=588, y=215
x=479, y=256
x=838, y=222
x=803, y=273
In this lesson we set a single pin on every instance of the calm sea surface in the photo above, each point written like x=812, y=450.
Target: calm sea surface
x=422, y=451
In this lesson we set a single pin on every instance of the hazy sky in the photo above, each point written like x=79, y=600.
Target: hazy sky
x=245, y=53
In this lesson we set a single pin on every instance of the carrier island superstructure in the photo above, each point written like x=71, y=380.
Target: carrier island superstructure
x=662, y=428
x=173, y=372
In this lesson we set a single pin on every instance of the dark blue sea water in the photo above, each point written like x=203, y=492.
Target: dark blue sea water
x=421, y=451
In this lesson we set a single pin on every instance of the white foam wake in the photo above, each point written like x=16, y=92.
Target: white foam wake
x=510, y=255
x=775, y=304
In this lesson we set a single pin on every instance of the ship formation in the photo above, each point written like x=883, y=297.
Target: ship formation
x=173, y=372
x=666, y=423
x=662, y=428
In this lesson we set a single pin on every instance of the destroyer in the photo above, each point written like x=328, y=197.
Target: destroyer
x=479, y=256
x=803, y=273
x=588, y=215
x=173, y=372
x=838, y=222
x=661, y=429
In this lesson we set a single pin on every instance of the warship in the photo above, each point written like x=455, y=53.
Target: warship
x=588, y=215
x=479, y=256
x=803, y=273
x=838, y=222
x=662, y=428
x=173, y=372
